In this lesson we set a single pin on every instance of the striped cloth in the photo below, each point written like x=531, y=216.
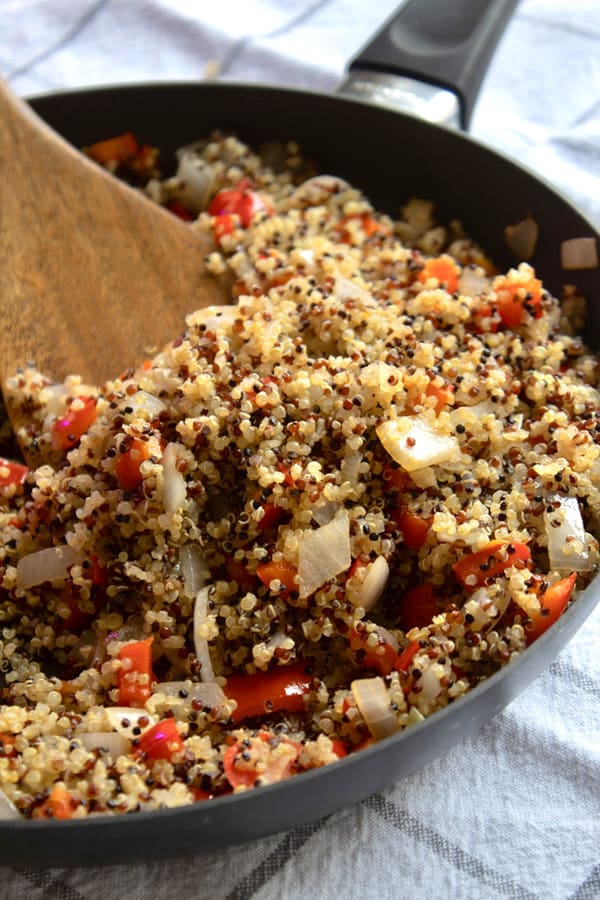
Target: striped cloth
x=514, y=811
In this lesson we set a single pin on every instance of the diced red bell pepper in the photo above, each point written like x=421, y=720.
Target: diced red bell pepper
x=77, y=619
x=265, y=757
x=7, y=745
x=444, y=269
x=179, y=210
x=553, y=603
x=223, y=225
x=127, y=466
x=418, y=606
x=162, y=741
x=368, y=223
x=12, y=473
x=414, y=528
x=281, y=688
x=406, y=657
x=137, y=661
x=474, y=569
x=80, y=415
x=281, y=571
x=379, y=658
x=272, y=516
x=240, y=201
x=516, y=301
x=116, y=149
x=59, y=804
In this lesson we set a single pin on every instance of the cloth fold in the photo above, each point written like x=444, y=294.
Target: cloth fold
x=515, y=810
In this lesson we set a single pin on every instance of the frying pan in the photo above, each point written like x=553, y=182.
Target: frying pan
x=391, y=156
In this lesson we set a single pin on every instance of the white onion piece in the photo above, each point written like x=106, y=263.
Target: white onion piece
x=144, y=404
x=214, y=317
x=429, y=682
x=579, y=253
x=370, y=591
x=174, y=489
x=344, y=289
x=46, y=565
x=7, y=808
x=193, y=181
x=415, y=443
x=371, y=698
x=473, y=282
x=200, y=642
x=208, y=693
x=324, y=553
x=119, y=715
x=317, y=191
x=116, y=744
x=325, y=512
x=193, y=568
x=521, y=239
x=566, y=536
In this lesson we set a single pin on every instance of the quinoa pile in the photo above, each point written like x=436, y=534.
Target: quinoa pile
x=320, y=515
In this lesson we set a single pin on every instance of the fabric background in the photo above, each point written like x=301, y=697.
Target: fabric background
x=514, y=811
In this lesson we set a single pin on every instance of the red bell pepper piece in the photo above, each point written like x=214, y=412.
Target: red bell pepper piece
x=127, y=466
x=406, y=657
x=281, y=688
x=553, y=603
x=414, y=528
x=444, y=269
x=381, y=657
x=281, y=571
x=240, y=201
x=80, y=415
x=59, y=804
x=12, y=473
x=474, y=569
x=162, y=741
x=265, y=757
x=137, y=661
x=516, y=301
x=418, y=606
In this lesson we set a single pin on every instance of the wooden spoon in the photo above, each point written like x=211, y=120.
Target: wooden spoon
x=93, y=276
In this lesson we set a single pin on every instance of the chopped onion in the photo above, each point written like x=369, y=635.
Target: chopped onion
x=325, y=512
x=473, y=281
x=201, y=643
x=193, y=181
x=119, y=715
x=344, y=289
x=114, y=743
x=371, y=698
x=324, y=553
x=370, y=591
x=521, y=239
x=430, y=683
x=7, y=808
x=415, y=443
x=144, y=404
x=566, y=536
x=193, y=568
x=579, y=253
x=52, y=564
x=208, y=693
x=214, y=317
x=174, y=489
x=317, y=191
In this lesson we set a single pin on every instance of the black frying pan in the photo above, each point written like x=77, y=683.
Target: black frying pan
x=391, y=156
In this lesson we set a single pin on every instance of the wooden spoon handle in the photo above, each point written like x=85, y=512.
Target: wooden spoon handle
x=93, y=275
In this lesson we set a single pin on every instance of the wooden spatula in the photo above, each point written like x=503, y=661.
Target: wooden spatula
x=92, y=274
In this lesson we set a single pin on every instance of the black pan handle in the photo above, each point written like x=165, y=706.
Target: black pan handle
x=447, y=43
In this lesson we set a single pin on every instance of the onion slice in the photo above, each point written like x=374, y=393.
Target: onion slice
x=415, y=443
x=200, y=642
x=113, y=742
x=521, y=239
x=174, y=489
x=567, y=547
x=7, y=808
x=371, y=698
x=52, y=564
x=369, y=592
x=125, y=718
x=579, y=253
x=193, y=568
x=324, y=553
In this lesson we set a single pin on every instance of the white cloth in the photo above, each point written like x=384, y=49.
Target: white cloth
x=514, y=811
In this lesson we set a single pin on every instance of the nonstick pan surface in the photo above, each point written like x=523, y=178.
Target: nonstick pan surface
x=391, y=157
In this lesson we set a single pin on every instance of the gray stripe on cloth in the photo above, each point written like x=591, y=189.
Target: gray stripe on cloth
x=68, y=37
x=238, y=47
x=48, y=885
x=590, y=888
x=448, y=851
x=562, y=669
x=275, y=861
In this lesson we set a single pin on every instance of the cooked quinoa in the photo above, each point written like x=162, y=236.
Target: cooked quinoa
x=321, y=514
